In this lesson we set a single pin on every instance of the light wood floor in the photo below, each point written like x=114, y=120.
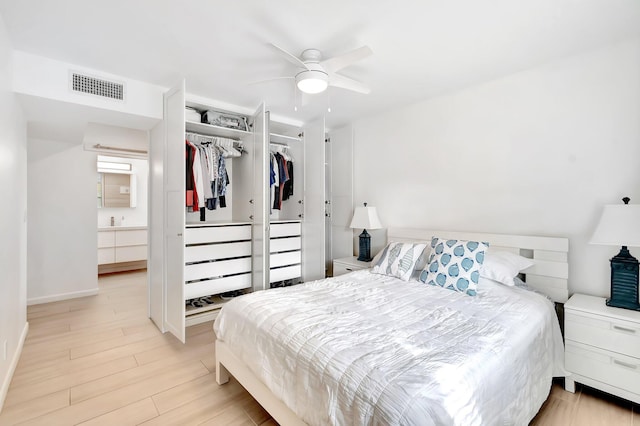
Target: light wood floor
x=99, y=361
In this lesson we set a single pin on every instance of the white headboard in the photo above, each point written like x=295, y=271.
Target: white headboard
x=550, y=272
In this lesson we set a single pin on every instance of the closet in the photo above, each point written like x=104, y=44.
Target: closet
x=198, y=259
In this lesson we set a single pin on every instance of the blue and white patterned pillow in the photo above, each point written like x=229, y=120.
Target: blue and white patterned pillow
x=455, y=264
x=398, y=260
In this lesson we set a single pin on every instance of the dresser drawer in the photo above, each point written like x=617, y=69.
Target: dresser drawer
x=341, y=269
x=217, y=285
x=216, y=234
x=614, y=369
x=291, y=229
x=200, y=271
x=285, y=273
x=607, y=333
x=284, y=244
x=217, y=251
x=283, y=259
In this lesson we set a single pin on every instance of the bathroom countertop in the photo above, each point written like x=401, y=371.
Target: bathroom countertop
x=121, y=228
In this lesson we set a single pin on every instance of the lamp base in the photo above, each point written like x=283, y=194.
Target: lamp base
x=364, y=254
x=624, y=281
x=622, y=304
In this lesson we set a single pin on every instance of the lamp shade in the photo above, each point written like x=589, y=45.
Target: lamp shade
x=366, y=218
x=619, y=226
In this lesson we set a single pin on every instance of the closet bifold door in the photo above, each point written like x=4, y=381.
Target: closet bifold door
x=260, y=230
x=174, y=115
x=313, y=223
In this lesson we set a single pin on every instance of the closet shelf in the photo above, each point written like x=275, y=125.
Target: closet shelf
x=211, y=130
x=201, y=317
x=217, y=304
x=276, y=137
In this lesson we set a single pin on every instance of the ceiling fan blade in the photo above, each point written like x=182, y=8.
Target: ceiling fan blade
x=266, y=80
x=337, y=80
x=338, y=62
x=289, y=57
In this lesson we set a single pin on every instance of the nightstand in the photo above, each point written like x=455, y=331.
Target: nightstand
x=348, y=264
x=602, y=347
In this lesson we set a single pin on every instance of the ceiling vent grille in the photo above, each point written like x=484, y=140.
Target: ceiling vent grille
x=98, y=87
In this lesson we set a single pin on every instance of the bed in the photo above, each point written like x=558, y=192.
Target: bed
x=369, y=348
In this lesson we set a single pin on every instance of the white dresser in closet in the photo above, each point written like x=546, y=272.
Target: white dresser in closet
x=217, y=260
x=285, y=256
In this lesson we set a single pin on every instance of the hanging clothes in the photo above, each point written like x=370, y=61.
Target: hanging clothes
x=206, y=176
x=288, y=186
x=275, y=187
x=199, y=180
x=193, y=169
x=190, y=185
x=222, y=182
x=205, y=164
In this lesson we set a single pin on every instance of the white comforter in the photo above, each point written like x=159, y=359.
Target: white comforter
x=367, y=349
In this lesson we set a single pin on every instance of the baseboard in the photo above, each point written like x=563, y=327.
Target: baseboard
x=62, y=296
x=12, y=367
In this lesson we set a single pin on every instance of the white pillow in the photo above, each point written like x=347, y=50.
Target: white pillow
x=420, y=263
x=398, y=260
x=503, y=266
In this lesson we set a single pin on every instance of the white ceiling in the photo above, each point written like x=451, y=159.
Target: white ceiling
x=422, y=48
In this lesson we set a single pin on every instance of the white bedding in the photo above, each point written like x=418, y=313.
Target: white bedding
x=368, y=349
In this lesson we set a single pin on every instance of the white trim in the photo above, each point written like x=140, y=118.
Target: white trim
x=12, y=367
x=62, y=296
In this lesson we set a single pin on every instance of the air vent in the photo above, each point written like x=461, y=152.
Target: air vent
x=98, y=87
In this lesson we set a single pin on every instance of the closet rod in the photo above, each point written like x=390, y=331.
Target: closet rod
x=278, y=144
x=212, y=136
x=137, y=151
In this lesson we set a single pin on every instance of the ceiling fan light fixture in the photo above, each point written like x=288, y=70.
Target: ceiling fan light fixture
x=312, y=81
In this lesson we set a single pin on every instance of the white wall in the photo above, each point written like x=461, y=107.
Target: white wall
x=134, y=216
x=62, y=257
x=538, y=152
x=48, y=78
x=13, y=227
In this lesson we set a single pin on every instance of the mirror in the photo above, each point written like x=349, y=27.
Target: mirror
x=116, y=183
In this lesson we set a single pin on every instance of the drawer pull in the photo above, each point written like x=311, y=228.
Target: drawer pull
x=624, y=364
x=348, y=269
x=628, y=330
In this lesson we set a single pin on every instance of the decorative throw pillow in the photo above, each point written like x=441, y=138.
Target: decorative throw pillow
x=398, y=260
x=455, y=264
x=503, y=266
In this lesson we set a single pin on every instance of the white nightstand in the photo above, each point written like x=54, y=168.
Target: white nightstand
x=602, y=347
x=348, y=264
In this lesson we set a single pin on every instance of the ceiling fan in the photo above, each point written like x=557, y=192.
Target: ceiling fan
x=315, y=74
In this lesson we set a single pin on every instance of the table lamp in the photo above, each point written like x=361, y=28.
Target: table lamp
x=365, y=217
x=620, y=226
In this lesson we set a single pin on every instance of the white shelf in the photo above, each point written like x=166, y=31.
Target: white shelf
x=278, y=138
x=218, y=302
x=211, y=130
x=201, y=317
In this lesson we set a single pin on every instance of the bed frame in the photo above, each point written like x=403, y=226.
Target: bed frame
x=549, y=275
